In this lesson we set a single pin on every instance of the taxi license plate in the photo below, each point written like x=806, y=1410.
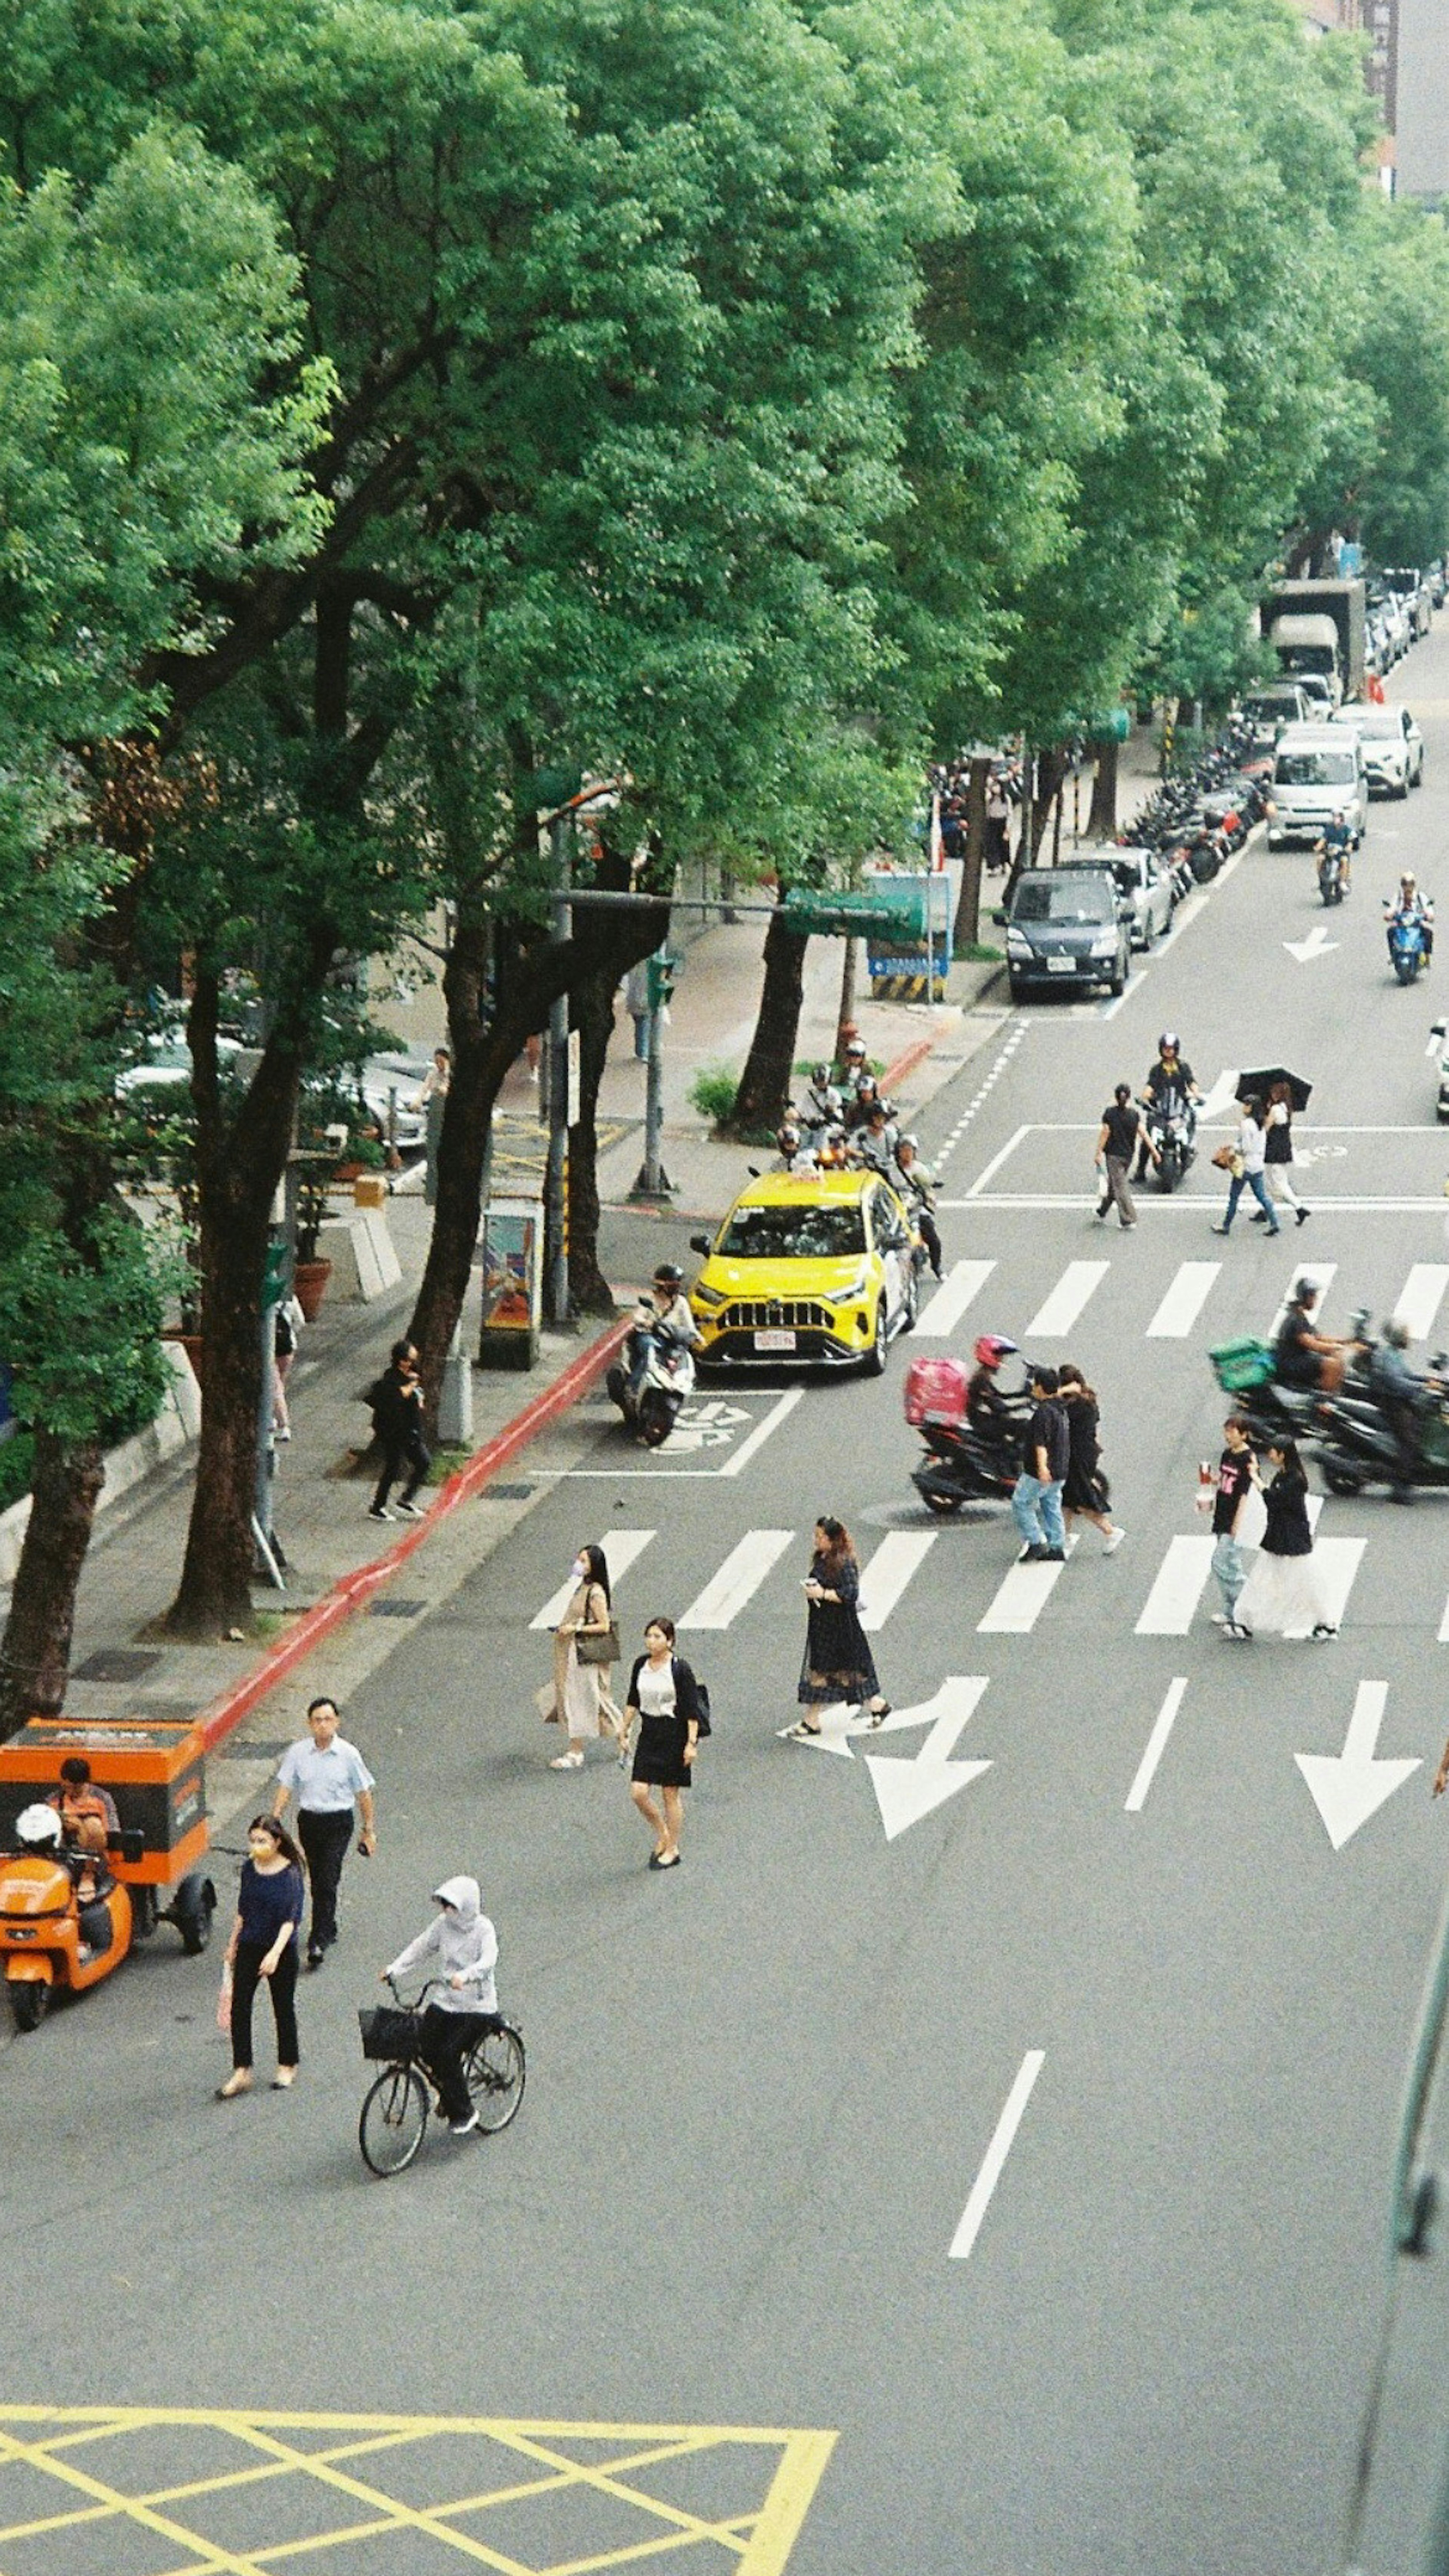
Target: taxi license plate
x=776, y=1341
x=1061, y=965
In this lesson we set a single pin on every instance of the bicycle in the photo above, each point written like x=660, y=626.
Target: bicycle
x=395, y=2109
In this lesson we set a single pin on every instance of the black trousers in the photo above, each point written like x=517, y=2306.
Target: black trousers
x=411, y=1452
x=926, y=1228
x=446, y=2038
x=283, y=1987
x=324, y=1840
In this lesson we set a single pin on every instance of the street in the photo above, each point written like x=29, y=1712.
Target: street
x=1027, y=2131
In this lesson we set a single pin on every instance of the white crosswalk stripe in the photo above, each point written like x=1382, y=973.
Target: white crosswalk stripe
x=1336, y=1561
x=622, y=1549
x=1420, y=1298
x=884, y=1579
x=1020, y=1601
x=1077, y=1284
x=1444, y=1626
x=1184, y=1301
x=741, y=1574
x=1318, y=1274
x=1172, y=1602
x=963, y=1281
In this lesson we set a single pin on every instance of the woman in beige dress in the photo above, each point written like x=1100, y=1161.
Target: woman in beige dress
x=581, y=1691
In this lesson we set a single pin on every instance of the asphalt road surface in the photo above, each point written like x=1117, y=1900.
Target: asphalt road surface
x=1036, y=2149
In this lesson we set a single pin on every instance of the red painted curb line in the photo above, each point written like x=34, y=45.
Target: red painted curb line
x=907, y=1063
x=353, y=1591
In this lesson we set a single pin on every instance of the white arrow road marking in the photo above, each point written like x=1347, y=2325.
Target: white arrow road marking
x=907, y=1790
x=1349, y=1787
x=996, y=2154
x=884, y=1579
x=843, y=1718
x=792, y=1396
x=1220, y=1097
x=1421, y=1297
x=623, y=1548
x=1184, y=1301
x=1156, y=1746
x=1067, y=1299
x=1317, y=944
x=963, y=1281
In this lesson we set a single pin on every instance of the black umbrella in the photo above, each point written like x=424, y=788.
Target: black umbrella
x=1256, y=1086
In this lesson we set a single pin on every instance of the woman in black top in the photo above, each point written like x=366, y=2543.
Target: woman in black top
x=664, y=1697
x=1086, y=1493
x=1284, y=1592
x=838, y=1664
x=263, y=1944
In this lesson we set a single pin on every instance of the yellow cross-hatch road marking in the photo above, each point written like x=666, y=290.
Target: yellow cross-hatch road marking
x=220, y=2491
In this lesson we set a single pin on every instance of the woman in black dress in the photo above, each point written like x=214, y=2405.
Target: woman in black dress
x=838, y=1663
x=1086, y=1493
x=664, y=1697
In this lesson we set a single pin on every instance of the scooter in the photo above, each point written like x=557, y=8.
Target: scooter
x=652, y=1406
x=961, y=1467
x=1330, y=876
x=66, y=1918
x=1358, y=1445
x=1408, y=948
x=1170, y=1125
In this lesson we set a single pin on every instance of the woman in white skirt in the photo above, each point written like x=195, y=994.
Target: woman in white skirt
x=581, y=1699
x=1284, y=1592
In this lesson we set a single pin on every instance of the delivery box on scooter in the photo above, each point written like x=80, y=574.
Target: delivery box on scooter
x=936, y=1392
x=153, y=1768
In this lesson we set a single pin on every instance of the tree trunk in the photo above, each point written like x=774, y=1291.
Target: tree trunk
x=1050, y=772
x=1102, y=820
x=968, y=910
x=764, y=1093
x=35, y=1655
x=240, y=1163
x=845, y=1017
x=473, y=1087
x=589, y=1290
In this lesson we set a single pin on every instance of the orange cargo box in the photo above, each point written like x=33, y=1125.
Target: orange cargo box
x=153, y=1768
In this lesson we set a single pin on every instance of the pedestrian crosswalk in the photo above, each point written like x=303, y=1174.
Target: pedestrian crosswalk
x=1068, y=1300
x=991, y=1591
x=963, y=1282
x=1127, y=1295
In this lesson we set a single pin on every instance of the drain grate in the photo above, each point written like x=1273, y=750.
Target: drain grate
x=397, y=1609
x=116, y=1664
x=508, y=1493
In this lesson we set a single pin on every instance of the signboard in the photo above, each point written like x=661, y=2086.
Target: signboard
x=891, y=908
x=913, y=960
x=512, y=1283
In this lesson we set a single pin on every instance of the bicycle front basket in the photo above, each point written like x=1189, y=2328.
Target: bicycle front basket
x=388, y=2030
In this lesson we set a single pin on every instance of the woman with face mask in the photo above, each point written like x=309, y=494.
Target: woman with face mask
x=581, y=1699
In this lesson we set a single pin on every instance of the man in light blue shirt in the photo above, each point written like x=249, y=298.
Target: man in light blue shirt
x=329, y=1776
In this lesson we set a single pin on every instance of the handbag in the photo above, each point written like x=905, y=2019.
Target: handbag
x=601, y=1646
x=1228, y=1159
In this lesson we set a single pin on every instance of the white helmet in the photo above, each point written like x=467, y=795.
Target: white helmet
x=38, y=1827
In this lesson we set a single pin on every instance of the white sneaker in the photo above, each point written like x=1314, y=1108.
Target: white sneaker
x=379, y=1512
x=464, y=2128
x=567, y=1762
x=1114, y=1542
x=411, y=1512
x=1221, y=1619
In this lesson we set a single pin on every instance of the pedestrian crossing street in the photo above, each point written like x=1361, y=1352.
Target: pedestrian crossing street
x=764, y=1569
x=1179, y=1311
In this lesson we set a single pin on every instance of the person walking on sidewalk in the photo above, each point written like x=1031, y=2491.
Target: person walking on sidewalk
x=581, y=1699
x=286, y=1334
x=329, y=1777
x=397, y=1413
x=263, y=1945
x=432, y=1098
x=461, y=1947
x=1278, y=1155
x=1086, y=1493
x=1120, y=1133
x=1036, y=1499
x=838, y=1664
x=1244, y=1166
x=1284, y=1590
x=1229, y=1502
x=663, y=1695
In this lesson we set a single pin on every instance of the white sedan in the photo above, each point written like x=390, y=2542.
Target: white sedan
x=1393, y=747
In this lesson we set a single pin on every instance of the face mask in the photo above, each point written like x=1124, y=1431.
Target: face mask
x=579, y=1569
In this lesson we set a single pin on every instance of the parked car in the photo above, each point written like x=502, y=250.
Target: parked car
x=1393, y=747
x=1409, y=585
x=1267, y=710
x=1319, y=772
x=1144, y=882
x=1068, y=927
x=164, y=1063
x=1437, y=581
x=815, y=1266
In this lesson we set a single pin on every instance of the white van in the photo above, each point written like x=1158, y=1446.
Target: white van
x=1317, y=772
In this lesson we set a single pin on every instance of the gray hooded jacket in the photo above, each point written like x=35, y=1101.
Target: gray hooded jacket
x=461, y=1944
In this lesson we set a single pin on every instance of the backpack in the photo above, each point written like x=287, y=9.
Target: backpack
x=701, y=1694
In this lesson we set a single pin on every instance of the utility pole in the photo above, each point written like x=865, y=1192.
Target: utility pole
x=556, y=1275
x=654, y=1182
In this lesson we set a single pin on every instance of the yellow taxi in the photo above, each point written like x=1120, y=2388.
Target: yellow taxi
x=817, y=1266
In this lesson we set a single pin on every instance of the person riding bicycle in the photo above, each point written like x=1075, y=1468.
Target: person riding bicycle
x=460, y=1946
x=1169, y=1080
x=1409, y=905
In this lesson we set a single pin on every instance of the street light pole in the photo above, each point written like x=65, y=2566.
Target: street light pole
x=556, y=1183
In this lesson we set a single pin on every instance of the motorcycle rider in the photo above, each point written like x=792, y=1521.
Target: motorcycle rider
x=1400, y=1394
x=1337, y=837
x=822, y=1105
x=663, y=1315
x=874, y=1144
x=795, y=1156
x=910, y=1177
x=866, y=1097
x=989, y=1413
x=1302, y=1358
x=1169, y=1083
x=1409, y=905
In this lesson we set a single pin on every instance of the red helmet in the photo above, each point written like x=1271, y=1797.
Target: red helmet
x=992, y=1349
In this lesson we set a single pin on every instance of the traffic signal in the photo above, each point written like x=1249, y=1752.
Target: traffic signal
x=661, y=973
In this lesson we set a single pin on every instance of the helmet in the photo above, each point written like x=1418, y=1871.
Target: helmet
x=788, y=1138
x=1408, y=878
x=38, y=1828
x=1168, y=1042
x=820, y=1073
x=864, y=1082
x=1396, y=1335
x=914, y=1143
x=855, y=1046
x=992, y=1349
x=668, y=1275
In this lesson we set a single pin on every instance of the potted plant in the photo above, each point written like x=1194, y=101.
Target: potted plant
x=310, y=1275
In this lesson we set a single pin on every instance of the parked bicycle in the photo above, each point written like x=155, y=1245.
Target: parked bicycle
x=395, y=2109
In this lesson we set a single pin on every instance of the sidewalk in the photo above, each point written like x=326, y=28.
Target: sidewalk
x=124, y=1664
